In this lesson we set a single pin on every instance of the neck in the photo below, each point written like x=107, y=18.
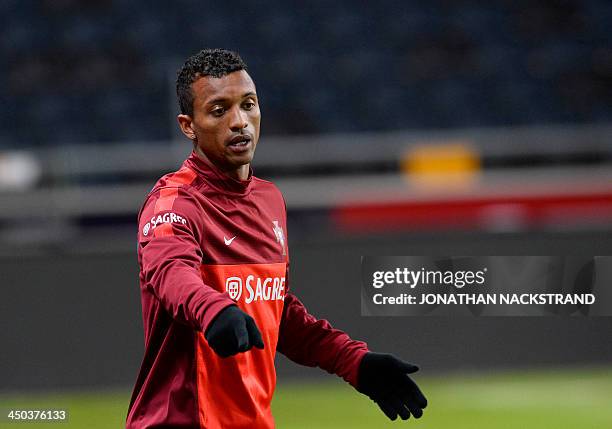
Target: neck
x=240, y=173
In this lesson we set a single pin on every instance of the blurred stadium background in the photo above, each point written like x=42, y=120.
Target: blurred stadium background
x=393, y=128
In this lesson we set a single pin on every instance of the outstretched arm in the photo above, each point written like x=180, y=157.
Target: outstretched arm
x=314, y=342
x=382, y=377
x=170, y=228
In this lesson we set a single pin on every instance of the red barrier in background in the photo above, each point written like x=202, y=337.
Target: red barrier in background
x=488, y=213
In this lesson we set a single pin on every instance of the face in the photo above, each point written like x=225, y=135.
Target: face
x=225, y=121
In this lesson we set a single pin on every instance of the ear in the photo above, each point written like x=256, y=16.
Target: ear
x=186, y=124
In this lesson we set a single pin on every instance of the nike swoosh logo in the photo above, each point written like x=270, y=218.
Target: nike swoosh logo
x=228, y=242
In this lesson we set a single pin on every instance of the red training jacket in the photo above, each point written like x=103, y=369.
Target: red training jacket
x=207, y=241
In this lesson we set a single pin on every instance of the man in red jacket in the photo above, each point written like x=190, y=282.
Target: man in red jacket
x=213, y=256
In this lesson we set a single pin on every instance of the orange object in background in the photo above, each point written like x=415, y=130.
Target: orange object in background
x=449, y=164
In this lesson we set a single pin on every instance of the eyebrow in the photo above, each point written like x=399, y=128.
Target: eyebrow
x=222, y=99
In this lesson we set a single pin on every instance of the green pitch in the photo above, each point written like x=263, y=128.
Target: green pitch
x=526, y=400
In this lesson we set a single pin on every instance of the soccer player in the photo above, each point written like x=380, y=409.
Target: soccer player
x=213, y=256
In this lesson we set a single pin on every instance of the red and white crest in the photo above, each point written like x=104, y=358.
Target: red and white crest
x=280, y=236
x=233, y=286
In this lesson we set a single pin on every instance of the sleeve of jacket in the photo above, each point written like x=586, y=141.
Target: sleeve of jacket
x=169, y=236
x=309, y=341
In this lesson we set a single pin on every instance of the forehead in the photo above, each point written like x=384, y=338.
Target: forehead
x=230, y=86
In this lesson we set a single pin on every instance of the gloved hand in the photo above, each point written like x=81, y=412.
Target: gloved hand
x=384, y=378
x=233, y=331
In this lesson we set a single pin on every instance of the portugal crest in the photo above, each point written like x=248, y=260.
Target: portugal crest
x=233, y=286
x=280, y=236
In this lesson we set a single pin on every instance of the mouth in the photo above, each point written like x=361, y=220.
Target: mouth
x=240, y=140
x=240, y=144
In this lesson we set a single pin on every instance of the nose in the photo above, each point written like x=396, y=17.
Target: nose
x=238, y=119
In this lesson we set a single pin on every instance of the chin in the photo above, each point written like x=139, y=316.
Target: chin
x=239, y=162
x=241, y=159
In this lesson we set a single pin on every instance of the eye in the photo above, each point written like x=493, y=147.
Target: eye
x=217, y=111
x=248, y=105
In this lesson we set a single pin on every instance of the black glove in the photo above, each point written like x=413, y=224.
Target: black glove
x=233, y=331
x=384, y=378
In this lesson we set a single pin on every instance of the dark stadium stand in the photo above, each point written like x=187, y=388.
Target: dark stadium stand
x=73, y=71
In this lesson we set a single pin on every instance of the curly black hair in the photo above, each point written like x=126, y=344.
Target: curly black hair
x=207, y=62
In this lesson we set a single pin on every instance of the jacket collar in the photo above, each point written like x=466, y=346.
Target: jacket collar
x=217, y=178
